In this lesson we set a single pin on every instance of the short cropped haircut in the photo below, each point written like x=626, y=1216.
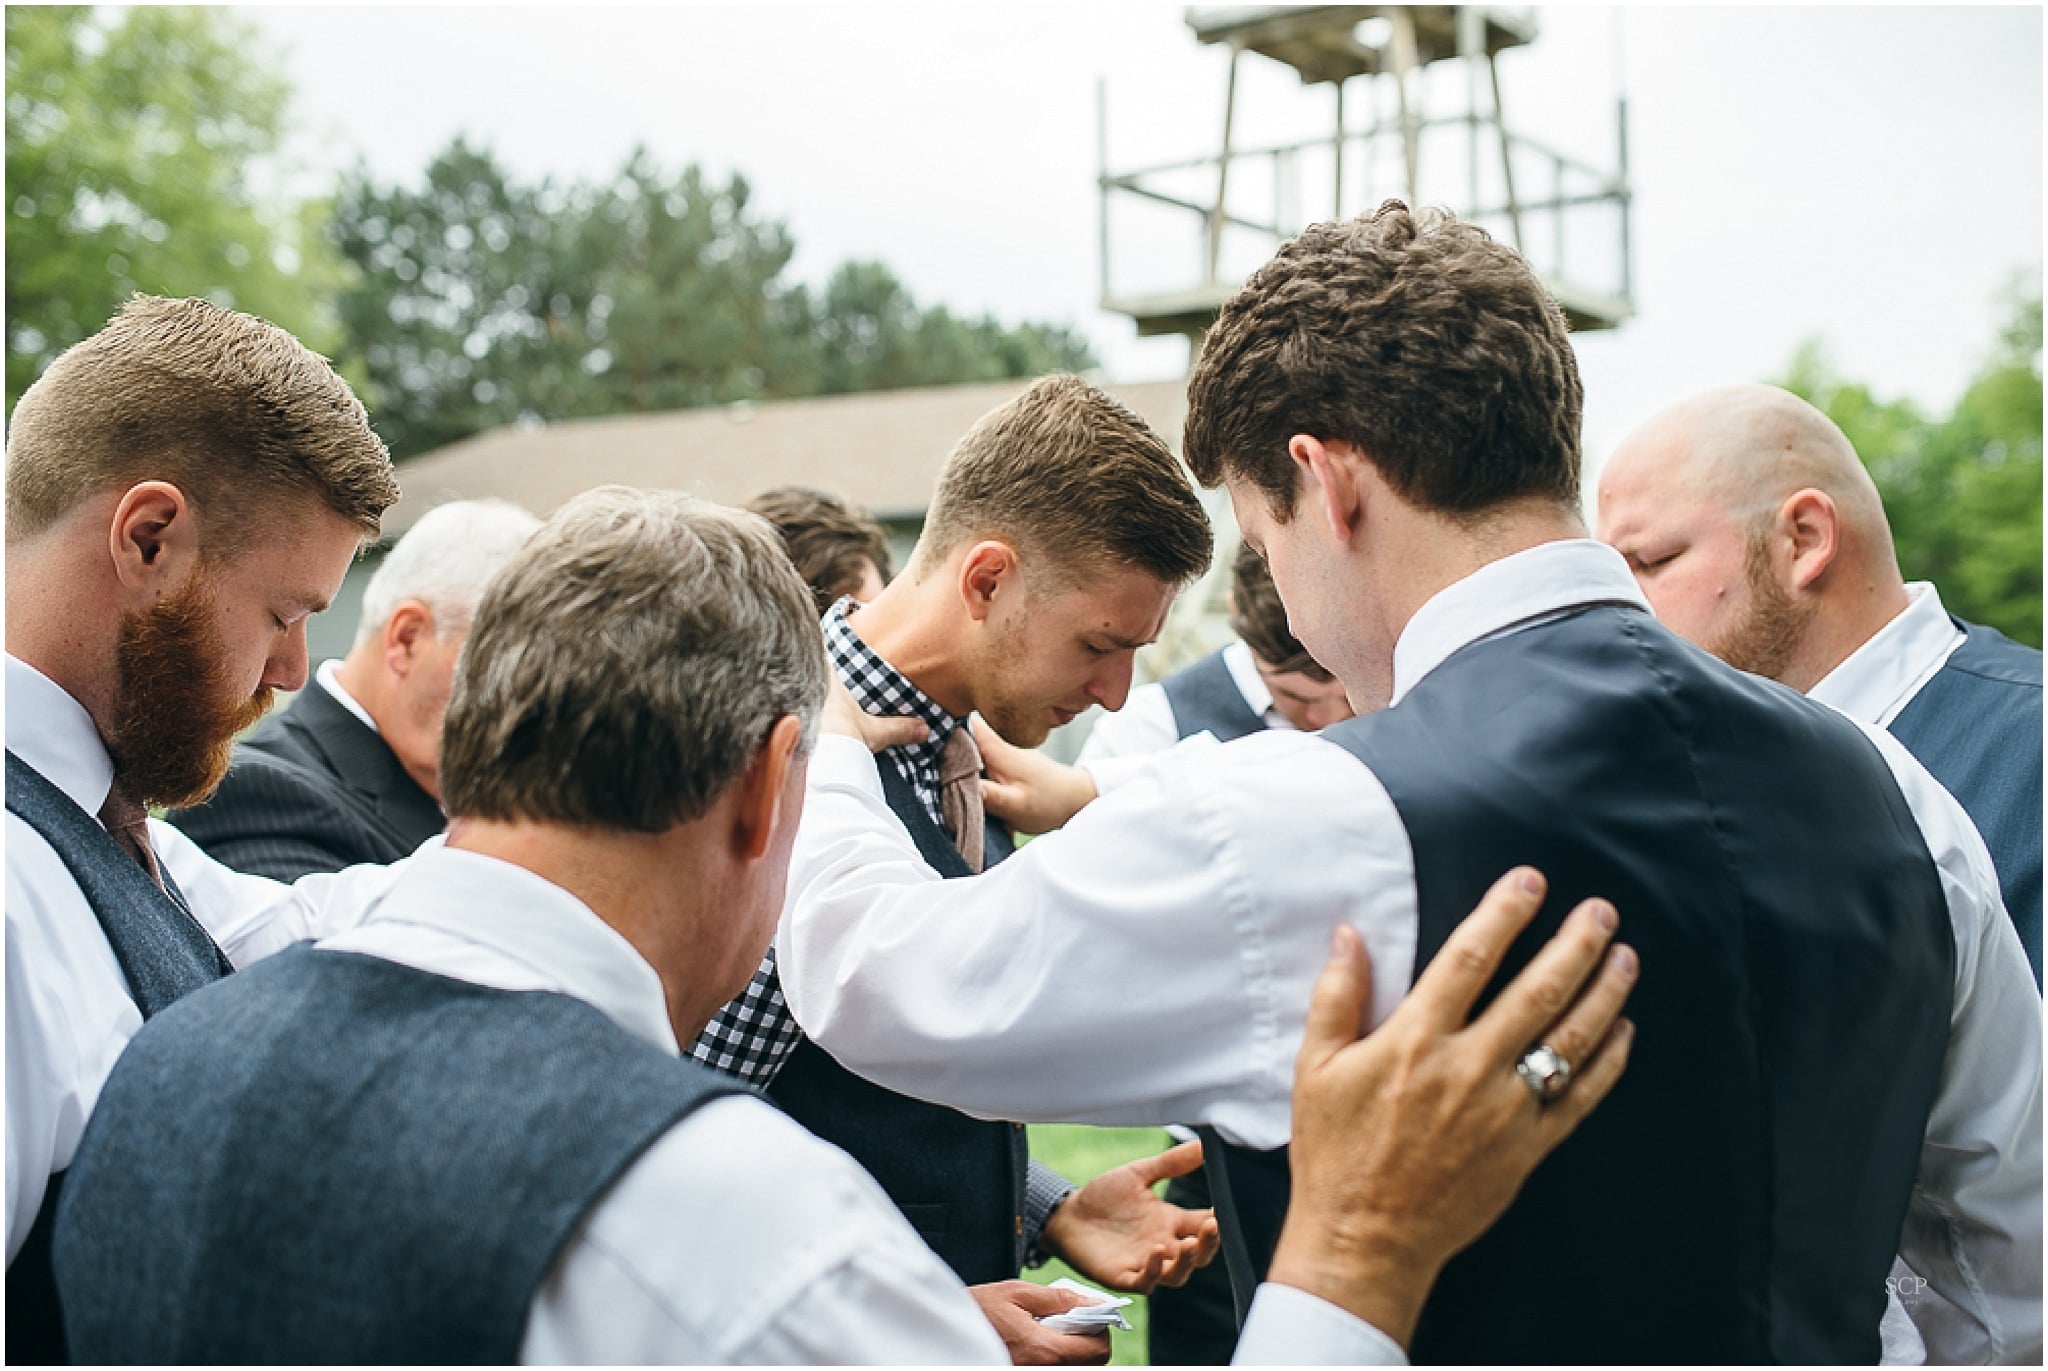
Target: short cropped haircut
x=1073, y=478
x=235, y=412
x=828, y=538
x=444, y=561
x=1258, y=617
x=1414, y=337
x=627, y=667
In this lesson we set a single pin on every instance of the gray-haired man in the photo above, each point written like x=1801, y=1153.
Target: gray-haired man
x=349, y=773
x=463, y=1130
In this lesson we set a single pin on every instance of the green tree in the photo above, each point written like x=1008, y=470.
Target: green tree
x=478, y=301
x=866, y=332
x=138, y=147
x=1962, y=492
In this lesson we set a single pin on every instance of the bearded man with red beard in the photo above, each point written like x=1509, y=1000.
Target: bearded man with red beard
x=184, y=490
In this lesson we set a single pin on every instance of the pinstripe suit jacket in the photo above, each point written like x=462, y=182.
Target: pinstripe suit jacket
x=312, y=789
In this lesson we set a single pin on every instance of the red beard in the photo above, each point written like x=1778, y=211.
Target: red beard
x=175, y=713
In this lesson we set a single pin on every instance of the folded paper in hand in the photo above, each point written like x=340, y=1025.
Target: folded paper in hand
x=1099, y=1315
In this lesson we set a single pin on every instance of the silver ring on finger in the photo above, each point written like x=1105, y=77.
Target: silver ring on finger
x=1545, y=1071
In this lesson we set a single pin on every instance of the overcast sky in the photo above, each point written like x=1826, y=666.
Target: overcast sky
x=1872, y=176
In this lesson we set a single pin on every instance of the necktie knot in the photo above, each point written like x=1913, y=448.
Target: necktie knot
x=960, y=793
x=127, y=822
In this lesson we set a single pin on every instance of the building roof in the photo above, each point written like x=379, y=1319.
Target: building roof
x=880, y=448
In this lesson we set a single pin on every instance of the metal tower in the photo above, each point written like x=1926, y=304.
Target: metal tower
x=1379, y=57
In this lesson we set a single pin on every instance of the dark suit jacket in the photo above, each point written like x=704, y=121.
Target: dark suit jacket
x=312, y=789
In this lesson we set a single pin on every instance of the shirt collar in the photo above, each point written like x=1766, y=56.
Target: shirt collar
x=1244, y=674
x=52, y=732
x=553, y=936
x=1877, y=680
x=881, y=689
x=1538, y=583
x=329, y=679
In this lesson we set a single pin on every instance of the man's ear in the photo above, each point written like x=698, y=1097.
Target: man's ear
x=990, y=569
x=408, y=625
x=153, y=539
x=1808, y=524
x=761, y=814
x=1329, y=484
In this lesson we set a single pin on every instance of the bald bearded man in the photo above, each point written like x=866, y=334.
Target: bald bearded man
x=1755, y=531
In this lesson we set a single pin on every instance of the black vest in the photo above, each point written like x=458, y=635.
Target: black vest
x=335, y=1158
x=1976, y=727
x=164, y=954
x=1740, y=1195
x=1204, y=698
x=959, y=1181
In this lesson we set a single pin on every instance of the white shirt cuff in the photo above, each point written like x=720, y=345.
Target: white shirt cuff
x=1290, y=1327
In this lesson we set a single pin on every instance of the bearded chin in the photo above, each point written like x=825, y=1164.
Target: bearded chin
x=1771, y=627
x=175, y=713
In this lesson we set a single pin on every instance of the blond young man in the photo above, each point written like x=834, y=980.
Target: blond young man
x=184, y=490
x=463, y=1130
x=1060, y=530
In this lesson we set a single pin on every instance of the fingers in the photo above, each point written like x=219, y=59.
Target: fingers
x=1193, y=1254
x=1034, y=1299
x=1141, y=1281
x=1586, y=1024
x=991, y=743
x=1447, y=989
x=1540, y=992
x=1174, y=1161
x=1336, y=1006
x=1080, y=1349
x=896, y=732
x=1005, y=801
x=1208, y=1241
x=1589, y=1086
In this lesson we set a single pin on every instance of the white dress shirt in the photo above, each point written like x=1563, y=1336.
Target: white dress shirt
x=787, y=1251
x=1120, y=743
x=69, y=1011
x=791, y=1253
x=1880, y=678
x=983, y=993
x=737, y=1237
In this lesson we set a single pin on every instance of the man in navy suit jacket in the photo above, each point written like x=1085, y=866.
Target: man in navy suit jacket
x=349, y=773
x=1756, y=532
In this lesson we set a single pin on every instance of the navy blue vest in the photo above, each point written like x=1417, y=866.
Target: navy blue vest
x=163, y=952
x=1740, y=1195
x=958, y=1180
x=1977, y=727
x=335, y=1158
x=1205, y=697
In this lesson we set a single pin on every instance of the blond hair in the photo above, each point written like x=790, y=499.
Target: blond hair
x=628, y=665
x=235, y=412
x=1067, y=474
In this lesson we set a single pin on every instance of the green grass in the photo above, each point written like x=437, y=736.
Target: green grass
x=1080, y=1154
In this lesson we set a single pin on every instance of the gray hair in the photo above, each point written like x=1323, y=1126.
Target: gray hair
x=445, y=561
x=627, y=668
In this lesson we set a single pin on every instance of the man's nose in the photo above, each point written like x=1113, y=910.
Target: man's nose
x=1114, y=686
x=286, y=669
